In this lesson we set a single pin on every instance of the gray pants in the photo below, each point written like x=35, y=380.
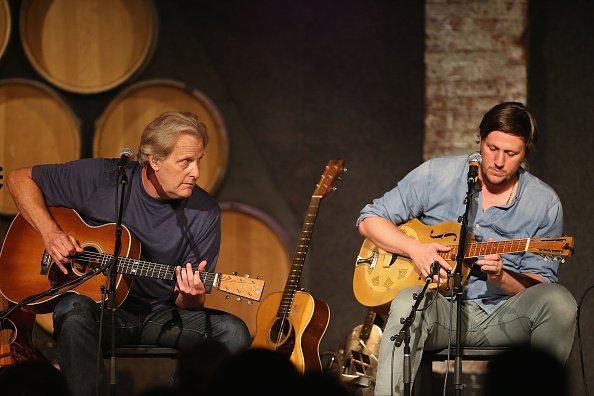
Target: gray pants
x=543, y=316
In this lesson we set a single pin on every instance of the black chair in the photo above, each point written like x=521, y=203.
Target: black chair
x=143, y=351
x=423, y=380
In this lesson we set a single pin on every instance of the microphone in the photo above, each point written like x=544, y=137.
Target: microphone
x=125, y=156
x=474, y=161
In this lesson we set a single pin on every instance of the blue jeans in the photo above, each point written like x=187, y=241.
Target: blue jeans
x=543, y=316
x=76, y=329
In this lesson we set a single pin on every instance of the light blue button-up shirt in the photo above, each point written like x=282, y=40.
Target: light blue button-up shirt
x=434, y=192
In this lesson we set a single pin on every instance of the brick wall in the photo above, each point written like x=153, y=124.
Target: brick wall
x=475, y=57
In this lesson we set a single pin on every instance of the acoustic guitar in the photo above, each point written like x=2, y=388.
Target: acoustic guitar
x=16, y=340
x=380, y=275
x=293, y=322
x=27, y=269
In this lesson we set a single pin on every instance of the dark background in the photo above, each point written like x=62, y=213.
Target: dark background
x=302, y=82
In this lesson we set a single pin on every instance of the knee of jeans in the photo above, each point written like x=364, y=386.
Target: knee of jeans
x=237, y=335
x=71, y=311
x=559, y=301
x=404, y=300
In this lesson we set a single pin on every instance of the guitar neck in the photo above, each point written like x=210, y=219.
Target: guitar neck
x=129, y=266
x=293, y=281
x=367, y=325
x=476, y=249
x=324, y=186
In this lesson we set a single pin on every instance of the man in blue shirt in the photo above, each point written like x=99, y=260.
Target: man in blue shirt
x=178, y=224
x=509, y=299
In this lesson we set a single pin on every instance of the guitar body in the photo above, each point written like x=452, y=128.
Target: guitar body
x=26, y=270
x=297, y=336
x=380, y=275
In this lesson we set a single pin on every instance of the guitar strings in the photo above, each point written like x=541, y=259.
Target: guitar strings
x=146, y=268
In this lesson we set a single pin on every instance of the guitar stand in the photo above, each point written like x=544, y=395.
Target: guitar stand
x=404, y=334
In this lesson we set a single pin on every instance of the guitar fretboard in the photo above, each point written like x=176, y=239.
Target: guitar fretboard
x=294, y=278
x=129, y=266
x=367, y=325
x=476, y=249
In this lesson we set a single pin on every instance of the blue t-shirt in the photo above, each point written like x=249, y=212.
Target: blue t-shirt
x=435, y=191
x=173, y=232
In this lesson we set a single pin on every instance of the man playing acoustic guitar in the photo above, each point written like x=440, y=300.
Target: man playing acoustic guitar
x=176, y=221
x=508, y=300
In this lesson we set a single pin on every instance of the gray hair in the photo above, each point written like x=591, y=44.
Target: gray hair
x=159, y=137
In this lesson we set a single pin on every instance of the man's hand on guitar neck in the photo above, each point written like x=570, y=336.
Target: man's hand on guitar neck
x=509, y=282
x=189, y=287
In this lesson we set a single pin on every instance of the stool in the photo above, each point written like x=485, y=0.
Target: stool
x=143, y=351
x=423, y=379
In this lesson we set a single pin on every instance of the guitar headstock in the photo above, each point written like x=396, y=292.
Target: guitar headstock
x=326, y=183
x=242, y=286
x=556, y=247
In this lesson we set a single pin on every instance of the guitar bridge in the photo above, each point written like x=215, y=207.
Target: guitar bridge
x=46, y=261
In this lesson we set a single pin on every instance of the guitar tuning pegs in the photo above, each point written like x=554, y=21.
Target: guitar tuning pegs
x=250, y=302
x=246, y=275
x=227, y=297
x=562, y=261
x=334, y=188
x=546, y=258
x=233, y=273
x=345, y=170
x=238, y=299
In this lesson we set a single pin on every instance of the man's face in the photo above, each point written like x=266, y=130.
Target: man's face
x=177, y=174
x=503, y=155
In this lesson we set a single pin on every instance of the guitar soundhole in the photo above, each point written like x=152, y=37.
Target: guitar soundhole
x=86, y=261
x=280, y=330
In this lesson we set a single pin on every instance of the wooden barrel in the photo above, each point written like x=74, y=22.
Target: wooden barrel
x=36, y=127
x=252, y=243
x=124, y=119
x=88, y=46
x=5, y=26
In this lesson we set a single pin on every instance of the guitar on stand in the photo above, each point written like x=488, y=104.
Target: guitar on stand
x=293, y=322
x=16, y=340
x=357, y=358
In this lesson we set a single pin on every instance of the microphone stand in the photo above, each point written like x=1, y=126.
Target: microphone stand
x=458, y=290
x=404, y=334
x=52, y=291
x=112, y=275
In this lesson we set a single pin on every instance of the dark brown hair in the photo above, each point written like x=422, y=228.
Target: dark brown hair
x=513, y=118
